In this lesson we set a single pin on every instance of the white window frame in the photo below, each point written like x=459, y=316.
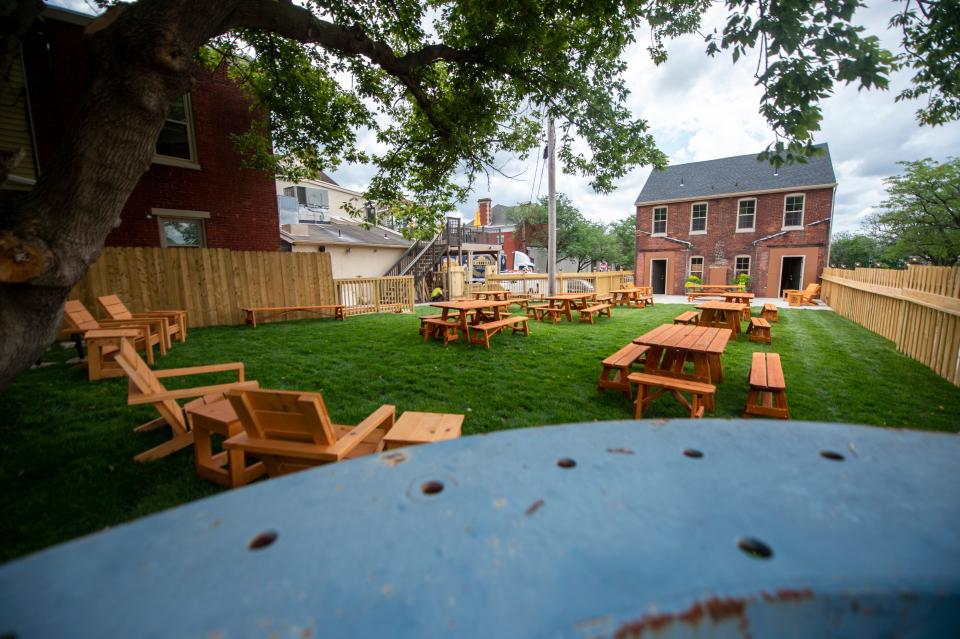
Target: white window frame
x=176, y=215
x=706, y=216
x=690, y=266
x=737, y=271
x=753, y=227
x=184, y=163
x=653, y=221
x=803, y=210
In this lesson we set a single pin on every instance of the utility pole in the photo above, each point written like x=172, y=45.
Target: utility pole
x=551, y=209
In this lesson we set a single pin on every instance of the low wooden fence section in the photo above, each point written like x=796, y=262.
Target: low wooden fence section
x=536, y=283
x=376, y=294
x=918, y=309
x=214, y=284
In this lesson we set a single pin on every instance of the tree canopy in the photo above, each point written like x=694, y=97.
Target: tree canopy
x=429, y=92
x=921, y=215
x=852, y=250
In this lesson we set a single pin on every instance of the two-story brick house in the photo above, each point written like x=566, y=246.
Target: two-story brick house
x=196, y=192
x=719, y=218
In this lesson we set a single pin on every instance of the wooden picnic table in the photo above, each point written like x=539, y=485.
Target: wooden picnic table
x=568, y=300
x=721, y=315
x=704, y=290
x=631, y=295
x=479, y=306
x=491, y=295
x=740, y=297
x=670, y=346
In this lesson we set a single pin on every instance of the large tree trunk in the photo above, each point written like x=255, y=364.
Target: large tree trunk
x=141, y=57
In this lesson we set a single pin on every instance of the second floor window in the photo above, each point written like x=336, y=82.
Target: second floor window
x=793, y=211
x=176, y=137
x=660, y=220
x=698, y=218
x=746, y=214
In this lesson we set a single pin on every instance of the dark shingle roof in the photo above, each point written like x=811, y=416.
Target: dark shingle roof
x=739, y=174
x=499, y=215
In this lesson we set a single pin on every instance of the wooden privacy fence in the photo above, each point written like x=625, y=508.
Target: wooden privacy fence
x=214, y=284
x=919, y=309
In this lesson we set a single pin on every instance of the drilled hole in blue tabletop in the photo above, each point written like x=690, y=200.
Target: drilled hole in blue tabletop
x=692, y=452
x=262, y=540
x=755, y=548
x=431, y=487
x=566, y=462
x=829, y=454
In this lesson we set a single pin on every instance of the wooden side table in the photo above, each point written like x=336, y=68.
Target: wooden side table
x=422, y=428
x=228, y=468
x=102, y=345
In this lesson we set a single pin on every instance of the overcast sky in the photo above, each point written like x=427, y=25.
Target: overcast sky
x=701, y=108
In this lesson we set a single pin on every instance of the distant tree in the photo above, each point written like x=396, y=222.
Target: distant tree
x=849, y=250
x=534, y=217
x=921, y=215
x=592, y=243
x=625, y=236
x=931, y=47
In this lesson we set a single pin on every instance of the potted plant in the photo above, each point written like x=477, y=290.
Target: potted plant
x=743, y=281
x=692, y=280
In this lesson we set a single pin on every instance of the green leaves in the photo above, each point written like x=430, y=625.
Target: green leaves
x=921, y=215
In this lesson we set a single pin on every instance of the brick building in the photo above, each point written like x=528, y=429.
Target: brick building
x=719, y=218
x=195, y=193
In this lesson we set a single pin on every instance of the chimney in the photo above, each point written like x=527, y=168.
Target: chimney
x=483, y=205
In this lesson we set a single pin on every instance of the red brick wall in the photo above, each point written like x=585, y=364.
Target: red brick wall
x=721, y=227
x=241, y=202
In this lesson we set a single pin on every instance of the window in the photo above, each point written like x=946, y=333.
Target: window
x=698, y=218
x=175, y=144
x=696, y=267
x=746, y=215
x=741, y=265
x=181, y=229
x=793, y=211
x=660, y=220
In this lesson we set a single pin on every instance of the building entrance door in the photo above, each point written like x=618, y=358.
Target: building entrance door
x=658, y=276
x=791, y=274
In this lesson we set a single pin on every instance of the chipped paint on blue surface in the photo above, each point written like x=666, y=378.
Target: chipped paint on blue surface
x=489, y=536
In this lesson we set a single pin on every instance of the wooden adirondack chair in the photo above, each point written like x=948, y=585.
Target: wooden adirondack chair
x=802, y=297
x=145, y=388
x=292, y=430
x=115, y=309
x=80, y=322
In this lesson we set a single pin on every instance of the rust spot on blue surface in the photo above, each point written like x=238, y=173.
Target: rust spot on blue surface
x=715, y=609
x=621, y=451
x=534, y=507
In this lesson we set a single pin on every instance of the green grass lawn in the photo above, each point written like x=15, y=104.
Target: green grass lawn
x=66, y=446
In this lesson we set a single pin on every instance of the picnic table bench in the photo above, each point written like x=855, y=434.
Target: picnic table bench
x=446, y=330
x=759, y=330
x=587, y=313
x=689, y=317
x=281, y=311
x=481, y=333
x=768, y=388
x=701, y=393
x=770, y=313
x=618, y=365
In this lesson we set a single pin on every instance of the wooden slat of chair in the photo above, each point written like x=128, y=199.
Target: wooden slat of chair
x=144, y=387
x=79, y=320
x=176, y=321
x=291, y=430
